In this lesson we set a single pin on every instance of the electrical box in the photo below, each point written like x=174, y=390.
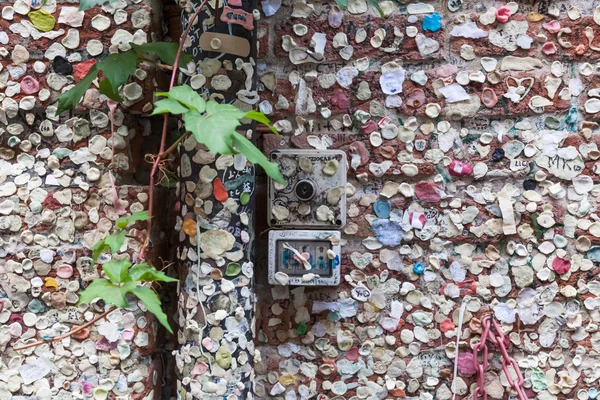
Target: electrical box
x=313, y=204
x=303, y=257
x=315, y=194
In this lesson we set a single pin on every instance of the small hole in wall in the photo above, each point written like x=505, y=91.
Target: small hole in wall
x=273, y=221
x=338, y=222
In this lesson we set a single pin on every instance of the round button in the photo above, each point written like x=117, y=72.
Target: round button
x=305, y=190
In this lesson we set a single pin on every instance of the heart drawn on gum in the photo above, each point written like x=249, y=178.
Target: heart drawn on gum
x=519, y=84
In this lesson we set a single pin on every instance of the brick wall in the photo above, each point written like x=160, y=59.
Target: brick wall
x=491, y=140
x=56, y=202
x=494, y=196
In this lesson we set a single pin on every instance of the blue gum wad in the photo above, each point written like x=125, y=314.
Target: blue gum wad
x=389, y=233
x=594, y=253
x=382, y=208
x=432, y=22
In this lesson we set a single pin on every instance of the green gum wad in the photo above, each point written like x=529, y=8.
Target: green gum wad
x=538, y=380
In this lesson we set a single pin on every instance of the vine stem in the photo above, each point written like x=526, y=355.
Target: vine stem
x=174, y=145
x=164, y=129
x=71, y=332
x=159, y=65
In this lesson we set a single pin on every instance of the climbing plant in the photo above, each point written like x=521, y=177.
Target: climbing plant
x=117, y=69
x=123, y=276
x=212, y=124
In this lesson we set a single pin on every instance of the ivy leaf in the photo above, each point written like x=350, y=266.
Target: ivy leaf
x=224, y=112
x=166, y=51
x=257, y=116
x=148, y=273
x=152, y=303
x=69, y=99
x=375, y=3
x=128, y=285
x=117, y=68
x=186, y=96
x=302, y=328
x=87, y=4
x=262, y=118
x=107, y=89
x=99, y=248
x=122, y=222
x=116, y=270
x=211, y=132
x=217, y=130
x=255, y=156
x=169, y=105
x=107, y=291
x=216, y=127
x=115, y=240
x=537, y=228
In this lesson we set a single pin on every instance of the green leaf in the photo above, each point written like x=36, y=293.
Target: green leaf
x=186, y=96
x=225, y=112
x=122, y=222
x=116, y=270
x=342, y=4
x=152, y=303
x=99, y=248
x=302, y=329
x=537, y=228
x=117, y=68
x=147, y=273
x=211, y=131
x=262, y=118
x=169, y=105
x=375, y=3
x=255, y=156
x=169, y=180
x=128, y=285
x=216, y=128
x=107, y=89
x=166, y=51
x=115, y=240
x=69, y=99
x=107, y=291
x=257, y=116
